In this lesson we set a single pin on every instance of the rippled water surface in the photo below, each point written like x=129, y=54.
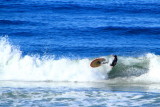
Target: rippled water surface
x=77, y=94
x=46, y=47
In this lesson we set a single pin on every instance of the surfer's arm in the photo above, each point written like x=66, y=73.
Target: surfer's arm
x=104, y=62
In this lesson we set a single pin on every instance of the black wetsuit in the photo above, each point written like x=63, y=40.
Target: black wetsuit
x=114, y=61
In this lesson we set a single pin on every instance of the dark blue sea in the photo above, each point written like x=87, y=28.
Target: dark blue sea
x=46, y=47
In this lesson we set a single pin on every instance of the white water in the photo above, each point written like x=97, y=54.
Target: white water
x=15, y=67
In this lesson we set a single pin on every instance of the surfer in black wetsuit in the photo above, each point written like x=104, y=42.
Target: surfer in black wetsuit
x=114, y=62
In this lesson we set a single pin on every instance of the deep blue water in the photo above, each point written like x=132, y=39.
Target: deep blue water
x=82, y=28
x=46, y=47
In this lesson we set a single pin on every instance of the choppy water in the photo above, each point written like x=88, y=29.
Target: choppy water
x=46, y=47
x=77, y=94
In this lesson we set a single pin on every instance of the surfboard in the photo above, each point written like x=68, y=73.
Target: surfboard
x=97, y=62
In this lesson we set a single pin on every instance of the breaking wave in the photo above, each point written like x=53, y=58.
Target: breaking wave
x=16, y=67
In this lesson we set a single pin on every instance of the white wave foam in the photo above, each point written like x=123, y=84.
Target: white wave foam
x=14, y=66
x=153, y=74
x=150, y=76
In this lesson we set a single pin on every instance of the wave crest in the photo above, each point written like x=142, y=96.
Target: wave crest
x=14, y=66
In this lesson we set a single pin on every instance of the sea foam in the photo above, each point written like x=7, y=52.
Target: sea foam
x=14, y=66
x=17, y=67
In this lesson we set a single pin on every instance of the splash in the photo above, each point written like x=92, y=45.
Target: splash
x=14, y=66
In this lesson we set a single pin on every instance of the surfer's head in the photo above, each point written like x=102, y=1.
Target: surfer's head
x=115, y=56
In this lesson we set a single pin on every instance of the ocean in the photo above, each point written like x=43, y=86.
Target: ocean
x=46, y=47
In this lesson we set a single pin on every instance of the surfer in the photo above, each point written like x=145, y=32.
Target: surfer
x=99, y=61
x=114, y=62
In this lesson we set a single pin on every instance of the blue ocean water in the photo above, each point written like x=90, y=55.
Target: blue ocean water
x=82, y=28
x=46, y=47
